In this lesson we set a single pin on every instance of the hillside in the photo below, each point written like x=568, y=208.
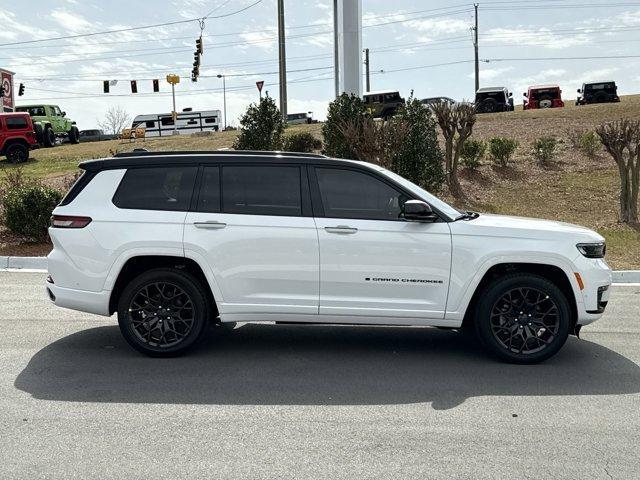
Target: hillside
x=574, y=189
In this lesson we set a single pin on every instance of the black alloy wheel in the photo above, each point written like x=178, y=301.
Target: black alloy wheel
x=163, y=312
x=522, y=318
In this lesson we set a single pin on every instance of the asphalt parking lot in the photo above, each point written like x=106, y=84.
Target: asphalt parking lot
x=273, y=401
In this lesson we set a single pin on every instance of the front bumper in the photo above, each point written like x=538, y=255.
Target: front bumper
x=597, y=278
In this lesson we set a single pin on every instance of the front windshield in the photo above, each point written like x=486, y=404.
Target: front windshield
x=432, y=200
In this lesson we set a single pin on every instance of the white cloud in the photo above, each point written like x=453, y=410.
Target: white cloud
x=71, y=22
x=492, y=73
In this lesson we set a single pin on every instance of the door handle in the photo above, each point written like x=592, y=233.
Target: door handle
x=210, y=225
x=342, y=229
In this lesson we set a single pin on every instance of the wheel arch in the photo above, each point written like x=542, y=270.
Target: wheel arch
x=13, y=141
x=553, y=273
x=136, y=265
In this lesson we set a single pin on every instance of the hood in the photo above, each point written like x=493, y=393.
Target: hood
x=531, y=228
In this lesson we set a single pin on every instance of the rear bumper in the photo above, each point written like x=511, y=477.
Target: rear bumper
x=82, y=300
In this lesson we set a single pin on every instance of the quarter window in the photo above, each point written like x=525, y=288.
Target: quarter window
x=261, y=190
x=357, y=195
x=16, y=123
x=156, y=188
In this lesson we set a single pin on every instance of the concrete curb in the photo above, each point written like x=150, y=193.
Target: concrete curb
x=23, y=263
x=626, y=276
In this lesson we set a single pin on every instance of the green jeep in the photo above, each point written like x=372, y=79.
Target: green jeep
x=49, y=122
x=382, y=104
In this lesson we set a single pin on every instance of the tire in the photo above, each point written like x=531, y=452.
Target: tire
x=17, y=153
x=37, y=128
x=49, y=138
x=504, y=316
x=545, y=102
x=187, y=321
x=74, y=135
x=489, y=105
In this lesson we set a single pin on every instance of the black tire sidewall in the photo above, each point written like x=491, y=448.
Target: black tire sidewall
x=494, y=291
x=74, y=135
x=19, y=148
x=185, y=281
x=49, y=137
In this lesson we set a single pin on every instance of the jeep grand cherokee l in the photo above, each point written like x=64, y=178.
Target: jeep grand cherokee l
x=172, y=240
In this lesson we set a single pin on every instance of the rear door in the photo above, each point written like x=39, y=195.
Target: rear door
x=253, y=226
x=372, y=262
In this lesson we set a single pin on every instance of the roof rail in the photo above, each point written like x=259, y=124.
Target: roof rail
x=145, y=153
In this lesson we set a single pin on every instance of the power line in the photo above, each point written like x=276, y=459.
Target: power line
x=130, y=29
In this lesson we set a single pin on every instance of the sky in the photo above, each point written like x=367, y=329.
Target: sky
x=420, y=46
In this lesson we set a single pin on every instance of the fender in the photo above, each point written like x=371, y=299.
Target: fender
x=124, y=257
x=457, y=310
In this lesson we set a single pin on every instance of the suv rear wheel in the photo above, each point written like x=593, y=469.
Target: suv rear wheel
x=17, y=153
x=49, y=139
x=163, y=312
x=74, y=135
x=522, y=318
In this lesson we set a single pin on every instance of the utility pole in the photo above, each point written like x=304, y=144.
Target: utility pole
x=366, y=64
x=283, y=61
x=475, y=46
x=336, y=49
x=224, y=96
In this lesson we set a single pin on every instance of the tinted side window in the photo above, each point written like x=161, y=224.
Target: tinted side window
x=16, y=123
x=351, y=194
x=159, y=188
x=261, y=190
x=209, y=200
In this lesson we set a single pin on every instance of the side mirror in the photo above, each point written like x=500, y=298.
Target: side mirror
x=510, y=94
x=579, y=90
x=418, y=211
x=525, y=94
x=64, y=114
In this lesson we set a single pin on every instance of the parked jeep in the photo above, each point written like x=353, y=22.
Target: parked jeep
x=51, y=122
x=494, y=99
x=603, y=92
x=16, y=136
x=382, y=104
x=543, y=96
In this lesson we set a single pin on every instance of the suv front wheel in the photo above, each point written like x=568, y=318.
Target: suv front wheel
x=163, y=312
x=522, y=318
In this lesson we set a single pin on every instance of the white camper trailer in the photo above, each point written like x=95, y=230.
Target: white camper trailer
x=187, y=122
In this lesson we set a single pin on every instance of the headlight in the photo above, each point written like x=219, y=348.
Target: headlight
x=592, y=250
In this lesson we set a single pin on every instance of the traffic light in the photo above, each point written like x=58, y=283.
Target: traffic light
x=105, y=86
x=134, y=86
x=199, y=49
x=156, y=85
x=21, y=90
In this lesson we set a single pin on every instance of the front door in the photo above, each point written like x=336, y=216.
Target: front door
x=372, y=262
x=253, y=225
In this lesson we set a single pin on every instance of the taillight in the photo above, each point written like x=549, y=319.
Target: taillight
x=65, y=221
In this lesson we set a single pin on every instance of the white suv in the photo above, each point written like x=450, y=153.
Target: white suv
x=171, y=240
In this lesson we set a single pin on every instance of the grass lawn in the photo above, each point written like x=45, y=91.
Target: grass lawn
x=573, y=188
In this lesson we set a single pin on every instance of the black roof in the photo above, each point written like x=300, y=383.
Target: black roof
x=141, y=158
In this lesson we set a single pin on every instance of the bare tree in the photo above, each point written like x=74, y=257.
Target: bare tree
x=375, y=141
x=456, y=122
x=622, y=140
x=115, y=120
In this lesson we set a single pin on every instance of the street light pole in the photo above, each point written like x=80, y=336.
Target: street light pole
x=283, y=60
x=224, y=97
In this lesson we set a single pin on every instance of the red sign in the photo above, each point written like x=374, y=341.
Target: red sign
x=260, y=84
x=7, y=84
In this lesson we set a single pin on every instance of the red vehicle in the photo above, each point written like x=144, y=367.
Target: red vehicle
x=543, y=96
x=17, y=136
